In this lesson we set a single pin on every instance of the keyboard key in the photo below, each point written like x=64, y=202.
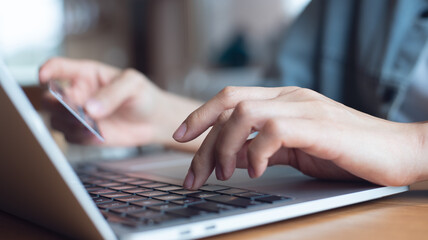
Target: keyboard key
x=91, y=189
x=272, y=199
x=148, y=202
x=86, y=176
x=105, y=174
x=99, y=200
x=137, y=190
x=186, y=212
x=169, y=188
x=110, y=184
x=95, y=173
x=185, y=192
x=113, y=176
x=154, y=185
x=170, y=197
x=234, y=201
x=188, y=201
x=115, y=195
x=232, y=191
x=113, y=204
x=131, y=198
x=212, y=207
x=147, y=213
x=251, y=195
x=166, y=206
x=114, y=218
x=213, y=188
x=202, y=194
x=97, y=181
x=127, y=209
x=123, y=187
x=103, y=191
x=152, y=194
x=126, y=179
x=140, y=182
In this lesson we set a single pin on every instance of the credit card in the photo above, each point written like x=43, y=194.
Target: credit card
x=57, y=90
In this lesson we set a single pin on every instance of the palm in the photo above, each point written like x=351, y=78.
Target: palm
x=125, y=126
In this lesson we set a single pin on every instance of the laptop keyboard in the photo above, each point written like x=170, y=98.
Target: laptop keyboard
x=136, y=202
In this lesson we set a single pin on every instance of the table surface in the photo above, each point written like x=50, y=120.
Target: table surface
x=402, y=216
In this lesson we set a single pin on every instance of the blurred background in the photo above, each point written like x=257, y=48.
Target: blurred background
x=190, y=47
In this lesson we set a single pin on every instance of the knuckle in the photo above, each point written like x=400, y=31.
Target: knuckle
x=130, y=72
x=289, y=89
x=133, y=77
x=227, y=94
x=305, y=93
x=324, y=109
x=196, y=116
x=273, y=127
x=243, y=109
x=228, y=91
x=223, y=117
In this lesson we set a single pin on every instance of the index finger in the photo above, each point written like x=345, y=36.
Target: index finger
x=206, y=115
x=69, y=69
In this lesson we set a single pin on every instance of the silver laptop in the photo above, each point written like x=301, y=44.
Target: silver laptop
x=142, y=197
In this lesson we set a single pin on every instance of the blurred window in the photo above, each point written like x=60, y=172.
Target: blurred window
x=30, y=32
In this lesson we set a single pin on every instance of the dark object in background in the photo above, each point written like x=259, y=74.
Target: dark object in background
x=236, y=54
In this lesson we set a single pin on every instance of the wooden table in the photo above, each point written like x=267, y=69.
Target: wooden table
x=403, y=216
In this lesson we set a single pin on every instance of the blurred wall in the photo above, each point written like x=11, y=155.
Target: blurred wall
x=99, y=30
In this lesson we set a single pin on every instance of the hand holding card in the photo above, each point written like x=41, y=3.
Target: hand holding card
x=57, y=91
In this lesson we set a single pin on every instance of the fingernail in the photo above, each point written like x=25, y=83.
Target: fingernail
x=188, y=181
x=94, y=107
x=251, y=172
x=219, y=173
x=179, y=133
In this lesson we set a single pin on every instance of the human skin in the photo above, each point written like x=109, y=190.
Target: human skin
x=304, y=129
x=129, y=109
x=297, y=127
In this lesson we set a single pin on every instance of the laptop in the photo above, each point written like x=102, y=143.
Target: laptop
x=143, y=197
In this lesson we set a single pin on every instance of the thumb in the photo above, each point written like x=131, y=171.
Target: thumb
x=109, y=98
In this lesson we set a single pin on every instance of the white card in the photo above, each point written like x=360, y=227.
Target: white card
x=57, y=90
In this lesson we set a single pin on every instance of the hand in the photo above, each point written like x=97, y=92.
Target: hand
x=128, y=108
x=301, y=128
